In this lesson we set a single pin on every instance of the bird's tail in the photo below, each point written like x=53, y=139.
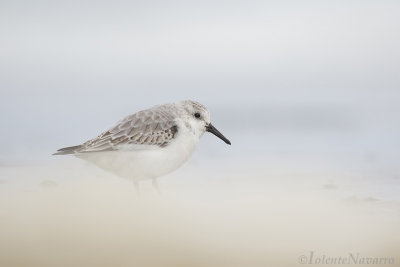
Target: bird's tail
x=67, y=150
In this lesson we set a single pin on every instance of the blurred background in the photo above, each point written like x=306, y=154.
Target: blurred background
x=307, y=91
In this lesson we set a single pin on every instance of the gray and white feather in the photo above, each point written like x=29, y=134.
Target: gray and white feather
x=148, y=143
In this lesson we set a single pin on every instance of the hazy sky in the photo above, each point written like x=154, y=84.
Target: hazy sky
x=88, y=63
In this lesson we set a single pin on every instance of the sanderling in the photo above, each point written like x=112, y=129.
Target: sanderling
x=149, y=143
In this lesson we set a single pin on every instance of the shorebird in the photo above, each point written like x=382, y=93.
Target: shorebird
x=149, y=143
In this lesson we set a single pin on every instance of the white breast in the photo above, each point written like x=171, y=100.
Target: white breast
x=151, y=162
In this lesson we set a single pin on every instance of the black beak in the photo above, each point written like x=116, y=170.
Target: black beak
x=210, y=128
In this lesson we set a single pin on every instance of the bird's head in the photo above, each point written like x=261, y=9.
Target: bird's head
x=198, y=118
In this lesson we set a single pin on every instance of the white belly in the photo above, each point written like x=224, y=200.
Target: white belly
x=151, y=162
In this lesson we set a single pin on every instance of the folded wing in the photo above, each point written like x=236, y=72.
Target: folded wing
x=152, y=127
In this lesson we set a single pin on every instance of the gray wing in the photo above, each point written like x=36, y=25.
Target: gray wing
x=154, y=127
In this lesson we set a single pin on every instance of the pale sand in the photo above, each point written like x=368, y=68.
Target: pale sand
x=71, y=214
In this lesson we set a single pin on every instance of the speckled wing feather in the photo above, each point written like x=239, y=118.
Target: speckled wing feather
x=154, y=126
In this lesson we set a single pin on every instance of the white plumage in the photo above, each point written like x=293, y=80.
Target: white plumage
x=149, y=143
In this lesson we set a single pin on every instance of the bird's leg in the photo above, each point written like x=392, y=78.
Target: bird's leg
x=155, y=185
x=137, y=188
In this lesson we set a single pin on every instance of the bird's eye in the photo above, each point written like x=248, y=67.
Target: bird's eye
x=197, y=115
